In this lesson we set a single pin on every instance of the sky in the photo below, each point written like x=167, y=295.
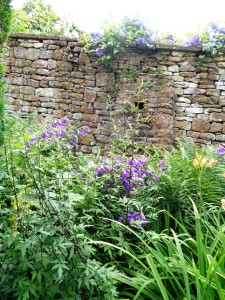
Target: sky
x=166, y=16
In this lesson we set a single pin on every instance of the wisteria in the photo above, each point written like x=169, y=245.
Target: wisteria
x=192, y=41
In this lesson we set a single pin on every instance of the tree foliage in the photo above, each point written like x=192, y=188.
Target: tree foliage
x=36, y=16
x=5, y=18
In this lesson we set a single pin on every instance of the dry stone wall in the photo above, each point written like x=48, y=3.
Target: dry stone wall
x=162, y=92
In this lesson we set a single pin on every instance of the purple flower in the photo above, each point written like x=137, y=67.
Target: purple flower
x=140, y=41
x=134, y=216
x=192, y=41
x=99, y=52
x=73, y=141
x=214, y=26
x=135, y=162
x=96, y=36
x=103, y=170
x=220, y=150
x=221, y=30
x=149, y=40
x=61, y=133
x=32, y=141
x=161, y=165
x=61, y=122
x=83, y=130
x=120, y=219
x=47, y=135
x=156, y=178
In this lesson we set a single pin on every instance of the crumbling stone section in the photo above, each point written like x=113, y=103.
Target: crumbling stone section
x=163, y=91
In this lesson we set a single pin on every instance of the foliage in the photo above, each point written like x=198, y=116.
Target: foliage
x=76, y=226
x=36, y=16
x=5, y=19
x=114, y=38
x=171, y=265
x=44, y=252
x=184, y=179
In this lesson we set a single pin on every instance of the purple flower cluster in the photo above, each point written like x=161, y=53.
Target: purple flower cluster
x=144, y=41
x=133, y=175
x=134, y=216
x=220, y=150
x=99, y=52
x=95, y=36
x=192, y=41
x=83, y=130
x=103, y=170
x=59, y=132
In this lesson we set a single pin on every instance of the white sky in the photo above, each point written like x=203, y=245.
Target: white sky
x=174, y=16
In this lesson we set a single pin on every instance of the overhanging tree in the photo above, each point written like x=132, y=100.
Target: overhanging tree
x=36, y=16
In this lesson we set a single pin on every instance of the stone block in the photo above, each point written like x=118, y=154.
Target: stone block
x=200, y=125
x=105, y=79
x=44, y=92
x=174, y=69
x=84, y=58
x=40, y=63
x=216, y=127
x=89, y=95
x=183, y=125
x=217, y=117
x=57, y=54
x=194, y=110
x=185, y=67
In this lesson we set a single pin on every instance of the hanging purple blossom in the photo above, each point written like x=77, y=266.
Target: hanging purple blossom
x=99, y=52
x=192, y=41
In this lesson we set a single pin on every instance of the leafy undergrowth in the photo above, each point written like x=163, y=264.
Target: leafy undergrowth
x=76, y=226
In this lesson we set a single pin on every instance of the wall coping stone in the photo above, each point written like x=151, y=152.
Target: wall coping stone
x=157, y=46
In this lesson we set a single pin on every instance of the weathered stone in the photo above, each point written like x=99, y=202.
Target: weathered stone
x=207, y=136
x=87, y=110
x=43, y=72
x=215, y=127
x=220, y=137
x=212, y=92
x=174, y=69
x=194, y=110
x=221, y=64
x=40, y=64
x=84, y=58
x=89, y=95
x=20, y=52
x=63, y=66
x=217, y=117
x=86, y=139
x=178, y=78
x=177, y=53
x=57, y=54
x=202, y=75
x=105, y=79
x=183, y=125
x=214, y=77
x=33, y=83
x=185, y=67
x=184, y=100
x=200, y=125
x=44, y=92
x=32, y=54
